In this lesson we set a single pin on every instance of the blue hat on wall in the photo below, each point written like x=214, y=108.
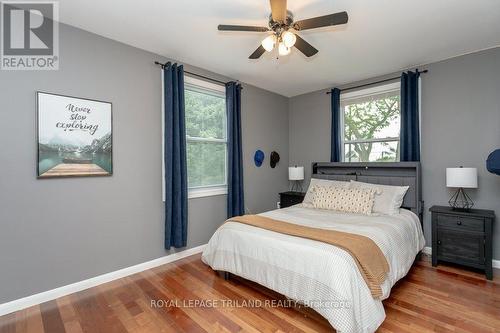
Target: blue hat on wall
x=258, y=157
x=493, y=162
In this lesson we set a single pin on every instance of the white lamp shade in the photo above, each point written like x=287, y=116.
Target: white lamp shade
x=283, y=50
x=461, y=177
x=296, y=173
x=289, y=39
x=269, y=42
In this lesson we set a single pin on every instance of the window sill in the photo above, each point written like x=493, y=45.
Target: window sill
x=206, y=192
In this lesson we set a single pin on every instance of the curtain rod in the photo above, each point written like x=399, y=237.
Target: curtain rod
x=194, y=74
x=376, y=82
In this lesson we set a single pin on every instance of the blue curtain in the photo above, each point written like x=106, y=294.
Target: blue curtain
x=336, y=130
x=235, y=199
x=410, y=119
x=175, y=157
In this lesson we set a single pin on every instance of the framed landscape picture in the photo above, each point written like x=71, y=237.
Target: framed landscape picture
x=74, y=136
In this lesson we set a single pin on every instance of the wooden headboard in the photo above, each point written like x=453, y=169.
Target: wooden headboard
x=384, y=173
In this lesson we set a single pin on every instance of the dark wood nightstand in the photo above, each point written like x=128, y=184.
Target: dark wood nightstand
x=290, y=198
x=463, y=237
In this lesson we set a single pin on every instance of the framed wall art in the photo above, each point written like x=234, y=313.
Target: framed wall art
x=74, y=136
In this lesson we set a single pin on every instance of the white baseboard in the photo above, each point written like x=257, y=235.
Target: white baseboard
x=428, y=250
x=49, y=295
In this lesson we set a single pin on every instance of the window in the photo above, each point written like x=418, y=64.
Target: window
x=370, y=119
x=206, y=131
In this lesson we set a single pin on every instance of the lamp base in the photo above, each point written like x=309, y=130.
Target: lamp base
x=296, y=186
x=460, y=201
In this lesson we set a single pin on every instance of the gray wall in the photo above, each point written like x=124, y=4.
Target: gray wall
x=59, y=231
x=309, y=119
x=460, y=126
x=265, y=127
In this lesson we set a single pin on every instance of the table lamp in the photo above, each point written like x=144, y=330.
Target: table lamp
x=461, y=178
x=296, y=175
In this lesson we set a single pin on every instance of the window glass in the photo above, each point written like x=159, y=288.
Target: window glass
x=205, y=114
x=371, y=124
x=206, y=131
x=206, y=163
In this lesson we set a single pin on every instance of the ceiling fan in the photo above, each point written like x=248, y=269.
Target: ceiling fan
x=284, y=29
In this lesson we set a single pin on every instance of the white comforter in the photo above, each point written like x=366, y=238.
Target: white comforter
x=320, y=275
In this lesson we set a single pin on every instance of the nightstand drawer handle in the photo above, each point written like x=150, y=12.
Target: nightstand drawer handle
x=459, y=222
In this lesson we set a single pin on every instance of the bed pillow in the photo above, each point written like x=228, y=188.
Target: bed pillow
x=344, y=199
x=308, y=199
x=388, y=199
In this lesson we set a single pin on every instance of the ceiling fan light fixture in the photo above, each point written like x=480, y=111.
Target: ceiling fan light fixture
x=283, y=30
x=289, y=39
x=269, y=42
x=283, y=50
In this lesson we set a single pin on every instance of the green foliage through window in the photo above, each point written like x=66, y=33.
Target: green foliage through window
x=371, y=128
x=206, y=163
x=205, y=114
x=206, y=137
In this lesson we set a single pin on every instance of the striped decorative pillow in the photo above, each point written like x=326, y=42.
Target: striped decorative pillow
x=348, y=200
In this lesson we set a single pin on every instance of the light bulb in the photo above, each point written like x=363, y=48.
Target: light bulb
x=268, y=43
x=283, y=50
x=289, y=39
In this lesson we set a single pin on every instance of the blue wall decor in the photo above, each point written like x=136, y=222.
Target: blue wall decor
x=493, y=162
x=258, y=157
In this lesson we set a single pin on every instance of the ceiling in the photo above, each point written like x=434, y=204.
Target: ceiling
x=382, y=36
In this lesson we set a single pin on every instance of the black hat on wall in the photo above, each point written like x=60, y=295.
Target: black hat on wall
x=275, y=158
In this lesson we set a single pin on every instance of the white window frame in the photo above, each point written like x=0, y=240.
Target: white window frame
x=218, y=89
x=346, y=97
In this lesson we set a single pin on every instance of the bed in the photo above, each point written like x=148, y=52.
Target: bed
x=323, y=276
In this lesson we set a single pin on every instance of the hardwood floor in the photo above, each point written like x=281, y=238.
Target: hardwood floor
x=442, y=299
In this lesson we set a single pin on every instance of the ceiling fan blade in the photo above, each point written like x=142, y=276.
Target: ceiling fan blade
x=224, y=27
x=305, y=47
x=278, y=10
x=322, y=21
x=257, y=53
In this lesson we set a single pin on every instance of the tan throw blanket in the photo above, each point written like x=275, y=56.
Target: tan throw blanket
x=368, y=257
